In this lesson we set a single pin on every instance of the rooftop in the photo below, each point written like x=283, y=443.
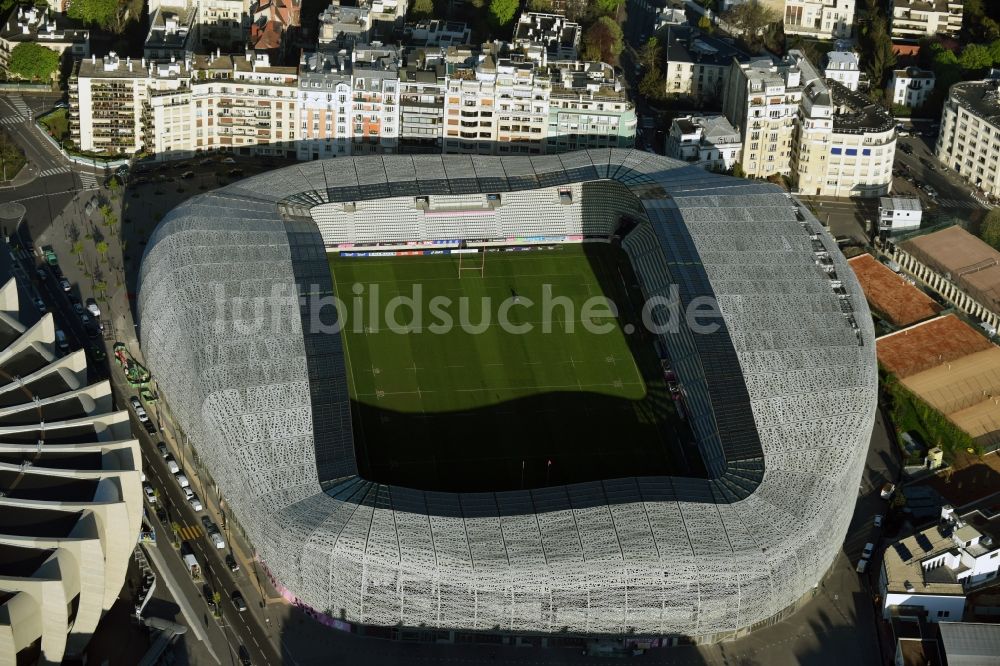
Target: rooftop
x=890, y=295
x=928, y=344
x=971, y=643
x=927, y=5
x=904, y=569
x=912, y=73
x=981, y=98
x=170, y=27
x=899, y=203
x=42, y=25
x=841, y=60
x=853, y=113
x=967, y=261
x=687, y=44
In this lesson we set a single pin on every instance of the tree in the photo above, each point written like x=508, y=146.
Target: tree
x=609, y=7
x=652, y=85
x=876, y=43
x=101, y=12
x=650, y=54
x=975, y=56
x=422, y=9
x=603, y=41
x=705, y=24
x=33, y=61
x=543, y=6
x=989, y=230
x=503, y=11
x=749, y=20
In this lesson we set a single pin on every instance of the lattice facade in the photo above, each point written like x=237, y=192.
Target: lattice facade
x=782, y=399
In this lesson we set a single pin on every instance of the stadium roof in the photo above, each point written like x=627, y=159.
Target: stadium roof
x=782, y=400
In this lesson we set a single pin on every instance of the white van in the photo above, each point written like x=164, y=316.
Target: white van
x=217, y=540
x=182, y=480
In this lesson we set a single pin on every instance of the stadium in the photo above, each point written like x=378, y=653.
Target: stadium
x=520, y=519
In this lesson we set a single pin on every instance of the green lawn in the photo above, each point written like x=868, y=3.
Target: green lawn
x=461, y=410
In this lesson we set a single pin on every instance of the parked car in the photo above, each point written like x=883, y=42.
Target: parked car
x=188, y=493
x=244, y=656
x=182, y=480
x=41, y=273
x=134, y=401
x=187, y=175
x=61, y=342
x=868, y=550
x=92, y=307
x=862, y=566
x=205, y=162
x=906, y=149
x=231, y=562
x=878, y=520
x=195, y=503
x=98, y=353
x=239, y=602
x=217, y=539
x=162, y=448
x=149, y=426
x=209, y=526
x=887, y=490
x=150, y=493
x=172, y=465
x=228, y=160
x=40, y=304
x=235, y=173
x=65, y=285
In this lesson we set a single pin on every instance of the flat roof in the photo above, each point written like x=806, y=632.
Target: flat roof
x=894, y=298
x=928, y=344
x=904, y=570
x=900, y=203
x=971, y=643
x=966, y=260
x=962, y=390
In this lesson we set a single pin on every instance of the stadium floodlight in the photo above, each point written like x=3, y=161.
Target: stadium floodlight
x=781, y=397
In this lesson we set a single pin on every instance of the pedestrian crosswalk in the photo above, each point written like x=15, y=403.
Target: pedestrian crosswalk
x=960, y=203
x=53, y=171
x=88, y=180
x=20, y=105
x=12, y=121
x=187, y=532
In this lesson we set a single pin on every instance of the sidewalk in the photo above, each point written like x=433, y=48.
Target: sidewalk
x=23, y=177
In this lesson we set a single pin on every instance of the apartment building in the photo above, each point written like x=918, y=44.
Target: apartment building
x=932, y=571
x=913, y=20
x=547, y=37
x=325, y=104
x=969, y=140
x=44, y=27
x=697, y=64
x=910, y=87
x=844, y=145
x=178, y=108
x=588, y=108
x=106, y=98
x=762, y=101
x=173, y=33
x=827, y=138
x=820, y=19
x=223, y=24
x=375, y=109
x=709, y=142
x=842, y=67
x=497, y=106
x=343, y=25
x=422, y=87
x=436, y=33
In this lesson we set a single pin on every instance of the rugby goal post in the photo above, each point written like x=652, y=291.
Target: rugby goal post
x=472, y=261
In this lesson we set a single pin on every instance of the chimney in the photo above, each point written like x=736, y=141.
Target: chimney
x=93, y=59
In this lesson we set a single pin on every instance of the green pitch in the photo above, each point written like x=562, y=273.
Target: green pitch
x=481, y=406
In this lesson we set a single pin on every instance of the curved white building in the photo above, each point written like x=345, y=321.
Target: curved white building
x=70, y=498
x=781, y=397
